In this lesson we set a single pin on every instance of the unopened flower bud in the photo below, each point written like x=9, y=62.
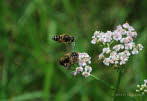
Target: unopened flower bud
x=137, y=91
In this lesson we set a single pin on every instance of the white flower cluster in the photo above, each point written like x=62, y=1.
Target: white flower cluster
x=84, y=68
x=142, y=88
x=118, y=44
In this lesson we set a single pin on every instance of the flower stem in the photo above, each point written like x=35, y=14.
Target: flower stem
x=117, y=85
x=110, y=43
x=102, y=81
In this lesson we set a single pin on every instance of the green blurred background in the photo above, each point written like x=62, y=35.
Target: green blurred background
x=29, y=69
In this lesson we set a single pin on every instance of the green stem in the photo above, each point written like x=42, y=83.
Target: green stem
x=110, y=43
x=102, y=81
x=117, y=85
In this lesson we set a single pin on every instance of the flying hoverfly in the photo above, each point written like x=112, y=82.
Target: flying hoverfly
x=64, y=38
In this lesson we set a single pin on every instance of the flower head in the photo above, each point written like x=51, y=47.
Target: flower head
x=123, y=45
x=83, y=60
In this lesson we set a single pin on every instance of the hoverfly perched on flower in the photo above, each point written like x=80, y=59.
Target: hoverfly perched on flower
x=64, y=38
x=69, y=59
x=83, y=59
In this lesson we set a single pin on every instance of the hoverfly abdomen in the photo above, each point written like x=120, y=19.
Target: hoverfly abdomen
x=56, y=38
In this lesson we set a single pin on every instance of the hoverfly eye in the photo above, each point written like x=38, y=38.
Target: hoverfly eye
x=74, y=54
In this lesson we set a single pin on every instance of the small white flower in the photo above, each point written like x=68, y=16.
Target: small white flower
x=82, y=55
x=96, y=33
x=135, y=51
x=119, y=27
x=123, y=32
x=144, y=85
x=130, y=39
x=74, y=73
x=114, y=60
x=82, y=63
x=132, y=34
x=101, y=56
x=139, y=46
x=122, y=62
x=94, y=41
x=88, y=69
x=131, y=28
x=86, y=74
x=79, y=69
x=117, y=36
x=101, y=35
x=123, y=57
x=106, y=50
x=113, y=54
x=107, y=38
x=118, y=47
x=101, y=40
x=107, y=61
x=126, y=25
x=121, y=46
x=124, y=40
x=109, y=33
x=127, y=52
x=120, y=54
x=130, y=46
x=145, y=81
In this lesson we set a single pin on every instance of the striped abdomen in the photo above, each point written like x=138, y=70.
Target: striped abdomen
x=57, y=38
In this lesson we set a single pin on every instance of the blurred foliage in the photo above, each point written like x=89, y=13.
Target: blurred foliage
x=29, y=69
